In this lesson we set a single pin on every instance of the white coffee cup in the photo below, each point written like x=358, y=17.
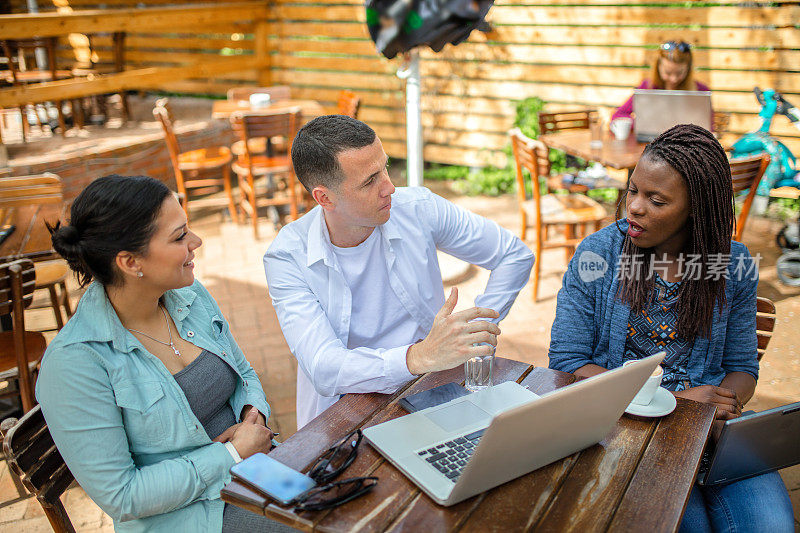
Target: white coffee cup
x=259, y=100
x=648, y=390
x=621, y=127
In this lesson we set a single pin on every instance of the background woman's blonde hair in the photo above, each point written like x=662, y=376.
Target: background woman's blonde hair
x=678, y=52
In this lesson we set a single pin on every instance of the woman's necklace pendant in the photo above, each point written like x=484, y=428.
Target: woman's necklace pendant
x=174, y=349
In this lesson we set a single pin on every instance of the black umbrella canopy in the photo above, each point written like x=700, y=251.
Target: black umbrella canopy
x=397, y=26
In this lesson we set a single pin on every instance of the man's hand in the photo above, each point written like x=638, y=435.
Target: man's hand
x=453, y=338
x=725, y=400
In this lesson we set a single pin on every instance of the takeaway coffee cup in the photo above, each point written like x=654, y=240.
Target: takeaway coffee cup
x=621, y=128
x=648, y=390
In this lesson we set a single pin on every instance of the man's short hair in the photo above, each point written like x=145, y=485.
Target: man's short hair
x=317, y=145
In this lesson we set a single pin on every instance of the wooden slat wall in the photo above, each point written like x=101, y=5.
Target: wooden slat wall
x=568, y=52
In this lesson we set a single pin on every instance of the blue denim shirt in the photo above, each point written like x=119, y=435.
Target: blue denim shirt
x=124, y=426
x=591, y=323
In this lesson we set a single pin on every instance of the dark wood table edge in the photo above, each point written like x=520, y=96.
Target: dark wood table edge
x=403, y=508
x=289, y=457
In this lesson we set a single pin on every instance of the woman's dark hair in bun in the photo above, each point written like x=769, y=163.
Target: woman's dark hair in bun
x=112, y=214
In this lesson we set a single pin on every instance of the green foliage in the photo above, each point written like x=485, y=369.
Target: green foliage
x=438, y=172
x=527, y=116
x=784, y=209
x=493, y=181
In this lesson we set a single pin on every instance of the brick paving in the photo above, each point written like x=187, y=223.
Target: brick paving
x=229, y=264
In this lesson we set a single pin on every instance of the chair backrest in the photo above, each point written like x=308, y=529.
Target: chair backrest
x=12, y=47
x=33, y=456
x=720, y=123
x=17, y=283
x=348, y=103
x=164, y=115
x=276, y=92
x=531, y=155
x=267, y=124
x=746, y=175
x=565, y=120
x=765, y=323
x=36, y=189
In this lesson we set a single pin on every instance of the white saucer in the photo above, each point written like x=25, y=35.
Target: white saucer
x=663, y=403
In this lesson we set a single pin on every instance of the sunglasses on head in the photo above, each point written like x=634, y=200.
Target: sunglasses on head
x=332, y=463
x=681, y=46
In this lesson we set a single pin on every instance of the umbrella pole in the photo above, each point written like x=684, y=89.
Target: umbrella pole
x=413, y=122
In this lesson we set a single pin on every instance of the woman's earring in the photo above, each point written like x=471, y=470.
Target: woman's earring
x=140, y=274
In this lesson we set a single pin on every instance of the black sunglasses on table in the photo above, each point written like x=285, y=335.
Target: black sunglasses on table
x=332, y=463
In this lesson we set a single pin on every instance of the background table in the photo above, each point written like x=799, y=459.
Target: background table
x=637, y=478
x=621, y=155
x=30, y=238
x=225, y=108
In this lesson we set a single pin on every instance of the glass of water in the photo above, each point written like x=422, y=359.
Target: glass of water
x=478, y=372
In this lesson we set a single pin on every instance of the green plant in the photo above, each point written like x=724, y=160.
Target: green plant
x=493, y=181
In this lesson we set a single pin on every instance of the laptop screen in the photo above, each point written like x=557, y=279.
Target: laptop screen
x=656, y=111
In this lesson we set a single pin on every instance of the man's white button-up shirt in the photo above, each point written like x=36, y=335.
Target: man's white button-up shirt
x=314, y=303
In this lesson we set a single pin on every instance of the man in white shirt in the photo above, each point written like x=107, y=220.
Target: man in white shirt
x=356, y=282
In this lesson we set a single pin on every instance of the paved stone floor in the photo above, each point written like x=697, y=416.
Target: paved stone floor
x=229, y=263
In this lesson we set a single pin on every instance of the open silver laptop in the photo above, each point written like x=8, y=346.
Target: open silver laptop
x=658, y=110
x=471, y=444
x=753, y=444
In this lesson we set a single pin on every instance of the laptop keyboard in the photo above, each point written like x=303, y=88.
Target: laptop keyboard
x=451, y=457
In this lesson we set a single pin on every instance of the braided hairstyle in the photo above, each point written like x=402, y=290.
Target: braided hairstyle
x=699, y=158
x=112, y=214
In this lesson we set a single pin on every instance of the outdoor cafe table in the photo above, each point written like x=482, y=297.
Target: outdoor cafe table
x=225, y=108
x=621, y=155
x=637, y=478
x=30, y=238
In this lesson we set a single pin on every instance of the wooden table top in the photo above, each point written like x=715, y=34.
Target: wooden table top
x=225, y=108
x=30, y=238
x=615, y=154
x=637, y=478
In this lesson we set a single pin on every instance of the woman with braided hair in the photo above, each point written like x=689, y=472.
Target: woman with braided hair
x=675, y=282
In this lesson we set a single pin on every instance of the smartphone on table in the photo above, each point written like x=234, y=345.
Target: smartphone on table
x=272, y=478
x=436, y=396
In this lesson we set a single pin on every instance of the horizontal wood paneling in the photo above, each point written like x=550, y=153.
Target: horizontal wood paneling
x=571, y=53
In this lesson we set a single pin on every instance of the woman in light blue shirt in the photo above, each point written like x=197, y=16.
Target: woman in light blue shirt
x=147, y=395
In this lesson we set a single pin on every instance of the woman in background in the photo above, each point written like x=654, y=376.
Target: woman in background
x=672, y=71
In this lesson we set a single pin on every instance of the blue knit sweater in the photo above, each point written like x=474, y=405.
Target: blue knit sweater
x=591, y=323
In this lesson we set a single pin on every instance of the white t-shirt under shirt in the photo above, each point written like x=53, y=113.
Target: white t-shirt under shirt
x=378, y=318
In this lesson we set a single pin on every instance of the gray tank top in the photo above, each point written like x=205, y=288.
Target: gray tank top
x=208, y=382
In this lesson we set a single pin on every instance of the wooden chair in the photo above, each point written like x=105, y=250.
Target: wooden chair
x=21, y=75
x=276, y=92
x=36, y=190
x=746, y=174
x=348, y=103
x=720, y=123
x=197, y=171
x=20, y=350
x=569, y=120
x=34, y=458
x=574, y=211
x=565, y=120
x=258, y=145
x=765, y=323
x=265, y=167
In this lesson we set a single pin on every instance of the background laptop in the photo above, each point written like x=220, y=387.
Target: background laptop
x=471, y=444
x=754, y=444
x=657, y=111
